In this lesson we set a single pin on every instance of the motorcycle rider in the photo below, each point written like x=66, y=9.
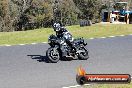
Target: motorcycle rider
x=65, y=37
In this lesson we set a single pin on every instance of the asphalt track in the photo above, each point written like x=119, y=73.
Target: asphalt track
x=25, y=66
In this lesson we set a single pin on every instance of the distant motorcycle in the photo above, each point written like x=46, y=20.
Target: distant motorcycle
x=62, y=47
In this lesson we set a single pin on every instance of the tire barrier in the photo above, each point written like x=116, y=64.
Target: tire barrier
x=85, y=23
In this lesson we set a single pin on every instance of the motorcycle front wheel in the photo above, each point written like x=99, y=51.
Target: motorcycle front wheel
x=53, y=55
x=83, y=55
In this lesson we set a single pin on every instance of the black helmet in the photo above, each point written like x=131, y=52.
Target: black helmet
x=56, y=26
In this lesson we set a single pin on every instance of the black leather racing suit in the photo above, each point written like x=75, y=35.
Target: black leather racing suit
x=66, y=39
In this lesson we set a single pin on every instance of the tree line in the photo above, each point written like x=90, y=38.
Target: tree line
x=21, y=15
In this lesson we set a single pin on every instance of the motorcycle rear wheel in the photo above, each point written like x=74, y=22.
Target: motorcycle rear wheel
x=52, y=56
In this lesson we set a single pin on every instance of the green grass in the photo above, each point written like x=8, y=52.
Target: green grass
x=41, y=35
x=109, y=86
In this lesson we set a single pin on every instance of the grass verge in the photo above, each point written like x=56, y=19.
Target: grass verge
x=41, y=35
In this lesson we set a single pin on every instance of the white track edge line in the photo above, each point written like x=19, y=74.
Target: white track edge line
x=76, y=86
x=112, y=36
x=121, y=35
x=102, y=37
x=33, y=43
x=91, y=38
x=7, y=45
x=22, y=44
x=44, y=42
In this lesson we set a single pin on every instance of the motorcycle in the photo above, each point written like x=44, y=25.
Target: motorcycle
x=75, y=49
